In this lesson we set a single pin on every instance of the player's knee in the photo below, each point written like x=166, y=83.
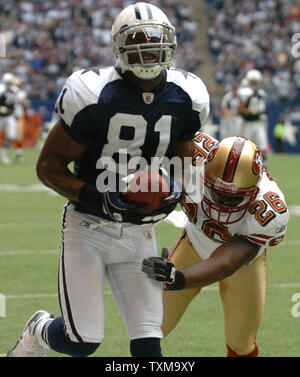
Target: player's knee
x=145, y=347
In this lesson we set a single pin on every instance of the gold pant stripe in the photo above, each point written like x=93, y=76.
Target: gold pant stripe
x=20, y=129
x=242, y=294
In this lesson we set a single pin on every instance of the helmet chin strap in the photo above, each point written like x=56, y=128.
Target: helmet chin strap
x=141, y=72
x=147, y=73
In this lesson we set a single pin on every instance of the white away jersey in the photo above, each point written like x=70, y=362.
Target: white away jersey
x=264, y=224
x=8, y=99
x=231, y=102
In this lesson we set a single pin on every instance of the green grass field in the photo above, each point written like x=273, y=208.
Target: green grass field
x=29, y=251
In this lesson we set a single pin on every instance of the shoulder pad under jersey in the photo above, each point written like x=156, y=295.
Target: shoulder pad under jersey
x=82, y=89
x=194, y=87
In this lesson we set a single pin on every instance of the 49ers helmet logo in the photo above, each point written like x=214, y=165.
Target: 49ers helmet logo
x=257, y=164
x=212, y=152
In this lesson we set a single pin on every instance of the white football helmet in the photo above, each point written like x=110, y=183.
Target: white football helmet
x=254, y=78
x=143, y=40
x=8, y=78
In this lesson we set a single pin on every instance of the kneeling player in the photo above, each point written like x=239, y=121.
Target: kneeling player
x=225, y=239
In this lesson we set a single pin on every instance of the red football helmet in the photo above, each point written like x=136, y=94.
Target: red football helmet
x=232, y=172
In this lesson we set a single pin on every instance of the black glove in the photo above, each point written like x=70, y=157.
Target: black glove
x=164, y=253
x=160, y=269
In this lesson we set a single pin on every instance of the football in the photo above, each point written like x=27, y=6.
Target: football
x=147, y=186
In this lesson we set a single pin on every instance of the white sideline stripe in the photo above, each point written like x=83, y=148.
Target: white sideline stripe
x=37, y=187
x=20, y=223
x=280, y=286
x=11, y=253
x=294, y=210
x=27, y=252
x=39, y=295
x=290, y=243
x=16, y=252
x=5, y=253
x=26, y=188
x=108, y=293
x=30, y=296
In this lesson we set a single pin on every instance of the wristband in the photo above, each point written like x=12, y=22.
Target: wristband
x=179, y=282
x=90, y=196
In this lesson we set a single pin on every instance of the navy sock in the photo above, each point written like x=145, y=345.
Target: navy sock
x=145, y=347
x=59, y=341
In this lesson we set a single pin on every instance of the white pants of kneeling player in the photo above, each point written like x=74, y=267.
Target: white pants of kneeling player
x=8, y=124
x=92, y=252
x=256, y=132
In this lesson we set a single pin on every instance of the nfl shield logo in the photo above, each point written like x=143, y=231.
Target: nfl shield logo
x=148, y=235
x=148, y=97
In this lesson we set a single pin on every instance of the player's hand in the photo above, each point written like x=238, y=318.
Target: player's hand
x=162, y=270
x=120, y=211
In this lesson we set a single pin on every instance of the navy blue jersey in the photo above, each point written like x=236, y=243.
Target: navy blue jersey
x=101, y=110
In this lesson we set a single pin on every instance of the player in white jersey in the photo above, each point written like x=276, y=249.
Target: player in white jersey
x=141, y=108
x=21, y=113
x=230, y=121
x=252, y=109
x=8, y=122
x=242, y=214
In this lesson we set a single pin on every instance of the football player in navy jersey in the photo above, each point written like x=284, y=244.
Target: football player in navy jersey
x=140, y=109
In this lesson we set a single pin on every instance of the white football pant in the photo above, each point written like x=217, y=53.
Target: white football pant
x=94, y=249
x=256, y=132
x=8, y=124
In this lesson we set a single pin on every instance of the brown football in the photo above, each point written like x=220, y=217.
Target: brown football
x=147, y=186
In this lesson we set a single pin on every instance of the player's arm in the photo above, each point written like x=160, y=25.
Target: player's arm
x=196, y=118
x=243, y=109
x=244, y=94
x=225, y=108
x=223, y=262
x=25, y=108
x=184, y=150
x=227, y=113
x=52, y=166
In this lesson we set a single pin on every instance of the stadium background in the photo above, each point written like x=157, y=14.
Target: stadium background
x=219, y=41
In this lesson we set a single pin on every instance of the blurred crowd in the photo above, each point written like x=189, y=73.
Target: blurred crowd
x=47, y=40
x=246, y=34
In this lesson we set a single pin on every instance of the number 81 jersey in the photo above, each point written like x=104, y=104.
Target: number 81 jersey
x=100, y=109
x=264, y=223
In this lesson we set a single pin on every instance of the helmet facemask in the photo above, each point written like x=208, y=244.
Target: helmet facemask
x=254, y=79
x=145, y=49
x=233, y=170
x=224, y=203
